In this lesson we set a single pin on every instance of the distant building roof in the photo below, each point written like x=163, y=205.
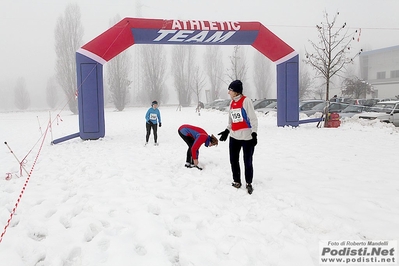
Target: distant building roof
x=382, y=50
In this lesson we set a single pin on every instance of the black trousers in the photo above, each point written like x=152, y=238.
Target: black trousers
x=154, y=127
x=189, y=141
x=248, y=150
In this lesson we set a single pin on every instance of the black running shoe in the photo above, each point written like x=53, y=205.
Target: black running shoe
x=250, y=189
x=236, y=184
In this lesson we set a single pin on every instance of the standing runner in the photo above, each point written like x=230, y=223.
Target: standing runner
x=242, y=126
x=152, y=118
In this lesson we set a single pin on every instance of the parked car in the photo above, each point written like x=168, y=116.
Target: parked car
x=374, y=101
x=388, y=99
x=213, y=104
x=334, y=107
x=262, y=103
x=387, y=111
x=357, y=101
x=394, y=116
x=371, y=102
x=223, y=105
x=267, y=109
x=352, y=110
x=344, y=100
x=306, y=105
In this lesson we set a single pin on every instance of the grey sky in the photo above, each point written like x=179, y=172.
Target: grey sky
x=27, y=26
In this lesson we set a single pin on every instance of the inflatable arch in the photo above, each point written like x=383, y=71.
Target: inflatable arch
x=91, y=57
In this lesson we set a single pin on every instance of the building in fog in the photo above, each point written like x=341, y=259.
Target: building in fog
x=380, y=68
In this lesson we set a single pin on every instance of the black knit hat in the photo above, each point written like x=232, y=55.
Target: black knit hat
x=236, y=86
x=154, y=102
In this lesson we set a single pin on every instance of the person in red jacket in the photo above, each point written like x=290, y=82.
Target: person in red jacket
x=195, y=137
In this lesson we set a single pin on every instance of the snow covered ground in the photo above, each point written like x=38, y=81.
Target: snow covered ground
x=115, y=202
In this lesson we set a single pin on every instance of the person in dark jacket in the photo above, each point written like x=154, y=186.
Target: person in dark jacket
x=152, y=119
x=194, y=138
x=242, y=127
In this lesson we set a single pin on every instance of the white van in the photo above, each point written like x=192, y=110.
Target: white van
x=394, y=116
x=387, y=111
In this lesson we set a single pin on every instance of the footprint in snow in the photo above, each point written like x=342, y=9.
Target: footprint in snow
x=154, y=209
x=50, y=213
x=91, y=232
x=37, y=232
x=172, y=253
x=65, y=221
x=103, y=244
x=175, y=232
x=140, y=250
x=74, y=257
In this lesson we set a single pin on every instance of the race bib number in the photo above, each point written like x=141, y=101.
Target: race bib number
x=153, y=116
x=236, y=115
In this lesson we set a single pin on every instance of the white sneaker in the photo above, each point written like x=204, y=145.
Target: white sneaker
x=145, y=144
x=189, y=165
x=156, y=144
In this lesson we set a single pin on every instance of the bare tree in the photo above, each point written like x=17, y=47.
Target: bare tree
x=52, y=92
x=238, y=65
x=118, y=70
x=263, y=77
x=332, y=52
x=68, y=39
x=214, y=70
x=320, y=92
x=198, y=82
x=183, y=60
x=21, y=95
x=356, y=88
x=118, y=79
x=305, y=83
x=154, y=73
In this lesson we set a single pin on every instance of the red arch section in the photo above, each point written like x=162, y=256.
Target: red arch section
x=130, y=31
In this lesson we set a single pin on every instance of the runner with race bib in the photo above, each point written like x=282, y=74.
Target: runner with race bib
x=242, y=127
x=152, y=118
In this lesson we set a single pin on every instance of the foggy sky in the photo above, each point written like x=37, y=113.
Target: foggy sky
x=27, y=26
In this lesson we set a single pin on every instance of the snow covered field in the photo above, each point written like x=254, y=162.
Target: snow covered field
x=115, y=202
